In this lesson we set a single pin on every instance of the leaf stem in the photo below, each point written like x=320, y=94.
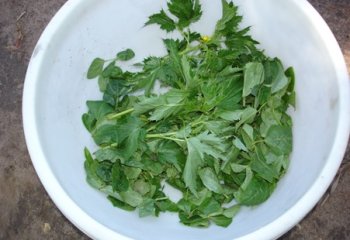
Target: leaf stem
x=161, y=134
x=164, y=137
x=117, y=115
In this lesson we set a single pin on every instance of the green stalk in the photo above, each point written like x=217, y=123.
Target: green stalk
x=117, y=115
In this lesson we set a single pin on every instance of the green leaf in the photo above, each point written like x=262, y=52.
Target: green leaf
x=170, y=152
x=229, y=20
x=175, y=59
x=187, y=11
x=231, y=211
x=95, y=68
x=163, y=106
x=126, y=55
x=291, y=76
x=147, y=208
x=194, y=221
x=198, y=146
x=230, y=115
x=112, y=71
x=99, y=109
x=163, y=20
x=247, y=116
x=238, y=144
x=257, y=191
x=210, y=207
x=133, y=142
x=120, y=204
x=131, y=197
x=253, y=76
x=142, y=187
x=167, y=205
x=210, y=180
x=187, y=73
x=106, y=134
x=275, y=75
x=279, y=139
x=89, y=121
x=222, y=220
x=119, y=181
x=259, y=165
x=108, y=154
x=270, y=117
x=103, y=171
x=90, y=168
x=132, y=172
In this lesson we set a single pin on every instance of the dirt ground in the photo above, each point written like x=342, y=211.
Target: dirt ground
x=26, y=211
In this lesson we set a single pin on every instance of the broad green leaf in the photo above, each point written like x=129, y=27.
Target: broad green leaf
x=257, y=191
x=230, y=115
x=275, y=75
x=193, y=221
x=247, y=133
x=253, y=76
x=132, y=172
x=210, y=180
x=134, y=141
x=126, y=55
x=131, y=197
x=108, y=154
x=95, y=68
x=248, y=178
x=201, y=197
x=167, y=205
x=142, y=187
x=112, y=71
x=247, y=116
x=170, y=152
x=120, y=204
x=89, y=121
x=222, y=220
x=198, y=146
x=238, y=143
x=147, y=208
x=99, y=109
x=237, y=168
x=210, y=207
x=270, y=117
x=106, y=134
x=260, y=166
x=279, y=139
x=91, y=166
x=231, y=211
x=103, y=171
x=120, y=182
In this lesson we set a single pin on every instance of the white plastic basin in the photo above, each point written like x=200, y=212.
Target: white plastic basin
x=56, y=90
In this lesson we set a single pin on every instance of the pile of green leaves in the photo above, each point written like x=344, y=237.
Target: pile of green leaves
x=220, y=134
